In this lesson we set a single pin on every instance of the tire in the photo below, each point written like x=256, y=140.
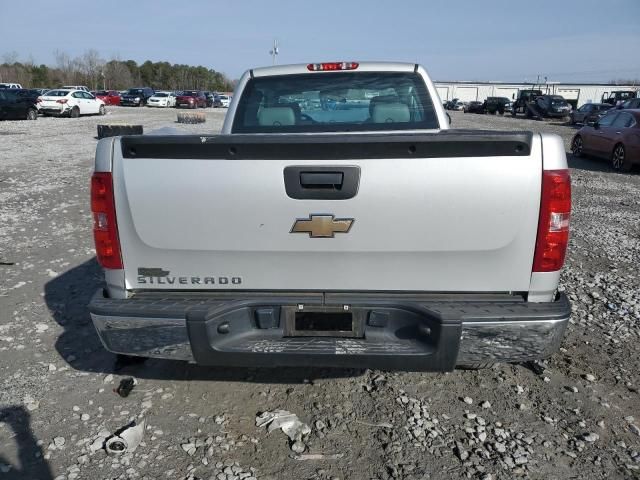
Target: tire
x=102, y=110
x=118, y=130
x=74, y=113
x=475, y=366
x=619, y=160
x=32, y=114
x=577, y=147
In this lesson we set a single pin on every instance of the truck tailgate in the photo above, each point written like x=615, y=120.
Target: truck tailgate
x=452, y=211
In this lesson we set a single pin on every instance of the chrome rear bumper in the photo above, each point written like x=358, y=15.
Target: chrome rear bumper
x=421, y=333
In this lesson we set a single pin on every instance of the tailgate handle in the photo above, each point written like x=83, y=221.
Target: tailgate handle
x=321, y=180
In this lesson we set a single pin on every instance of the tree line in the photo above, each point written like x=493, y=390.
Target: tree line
x=92, y=70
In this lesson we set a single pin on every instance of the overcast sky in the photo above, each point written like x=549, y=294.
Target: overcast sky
x=509, y=40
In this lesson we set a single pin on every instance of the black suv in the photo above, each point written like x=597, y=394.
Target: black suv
x=495, y=105
x=137, y=96
x=553, y=106
x=17, y=105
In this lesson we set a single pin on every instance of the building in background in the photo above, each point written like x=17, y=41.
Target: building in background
x=575, y=93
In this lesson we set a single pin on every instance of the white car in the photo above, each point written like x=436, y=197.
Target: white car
x=72, y=103
x=10, y=85
x=162, y=99
x=76, y=87
x=221, y=101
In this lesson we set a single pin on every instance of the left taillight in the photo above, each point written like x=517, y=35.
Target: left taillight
x=105, y=227
x=553, y=223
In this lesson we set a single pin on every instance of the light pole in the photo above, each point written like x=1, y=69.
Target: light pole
x=274, y=52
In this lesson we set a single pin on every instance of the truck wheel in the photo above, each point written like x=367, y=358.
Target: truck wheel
x=576, y=146
x=619, y=159
x=32, y=114
x=75, y=112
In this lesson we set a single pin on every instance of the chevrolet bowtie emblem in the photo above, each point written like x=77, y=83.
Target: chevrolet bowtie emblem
x=322, y=226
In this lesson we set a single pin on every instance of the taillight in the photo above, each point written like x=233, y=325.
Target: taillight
x=105, y=228
x=318, y=67
x=553, y=224
x=64, y=100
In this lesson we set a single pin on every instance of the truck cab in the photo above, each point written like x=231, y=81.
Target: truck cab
x=618, y=96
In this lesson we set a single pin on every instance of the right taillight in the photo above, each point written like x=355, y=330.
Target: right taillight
x=105, y=228
x=553, y=223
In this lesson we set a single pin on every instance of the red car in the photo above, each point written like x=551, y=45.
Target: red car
x=615, y=136
x=109, y=97
x=191, y=99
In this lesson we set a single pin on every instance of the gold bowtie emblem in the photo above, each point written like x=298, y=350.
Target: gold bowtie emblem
x=322, y=226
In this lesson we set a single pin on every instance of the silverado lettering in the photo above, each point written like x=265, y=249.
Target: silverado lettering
x=166, y=280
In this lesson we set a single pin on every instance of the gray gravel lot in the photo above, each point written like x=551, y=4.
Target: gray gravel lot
x=577, y=415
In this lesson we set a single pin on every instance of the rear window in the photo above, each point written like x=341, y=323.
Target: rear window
x=335, y=102
x=57, y=93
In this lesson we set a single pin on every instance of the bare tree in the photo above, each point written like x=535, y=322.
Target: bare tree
x=117, y=75
x=10, y=58
x=91, y=66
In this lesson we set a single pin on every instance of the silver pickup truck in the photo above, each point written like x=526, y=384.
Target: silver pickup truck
x=335, y=221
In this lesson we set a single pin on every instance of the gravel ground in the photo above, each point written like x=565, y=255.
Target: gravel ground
x=569, y=417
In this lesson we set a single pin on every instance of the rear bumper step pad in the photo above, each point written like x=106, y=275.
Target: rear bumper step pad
x=401, y=331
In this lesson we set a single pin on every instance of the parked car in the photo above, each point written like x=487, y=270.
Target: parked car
x=552, y=106
x=162, y=99
x=393, y=274
x=136, y=97
x=589, y=112
x=223, y=101
x=76, y=87
x=458, y=105
x=14, y=106
x=109, y=97
x=495, y=105
x=10, y=85
x=615, y=136
x=629, y=104
x=618, y=96
x=71, y=103
x=33, y=93
x=42, y=90
x=474, y=107
x=210, y=98
x=524, y=98
x=191, y=99
x=449, y=104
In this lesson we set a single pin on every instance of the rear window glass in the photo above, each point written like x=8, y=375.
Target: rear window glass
x=335, y=102
x=57, y=93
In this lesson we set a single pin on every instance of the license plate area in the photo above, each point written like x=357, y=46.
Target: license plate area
x=316, y=321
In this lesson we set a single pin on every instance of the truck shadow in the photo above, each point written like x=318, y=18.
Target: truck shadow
x=590, y=164
x=67, y=297
x=30, y=454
